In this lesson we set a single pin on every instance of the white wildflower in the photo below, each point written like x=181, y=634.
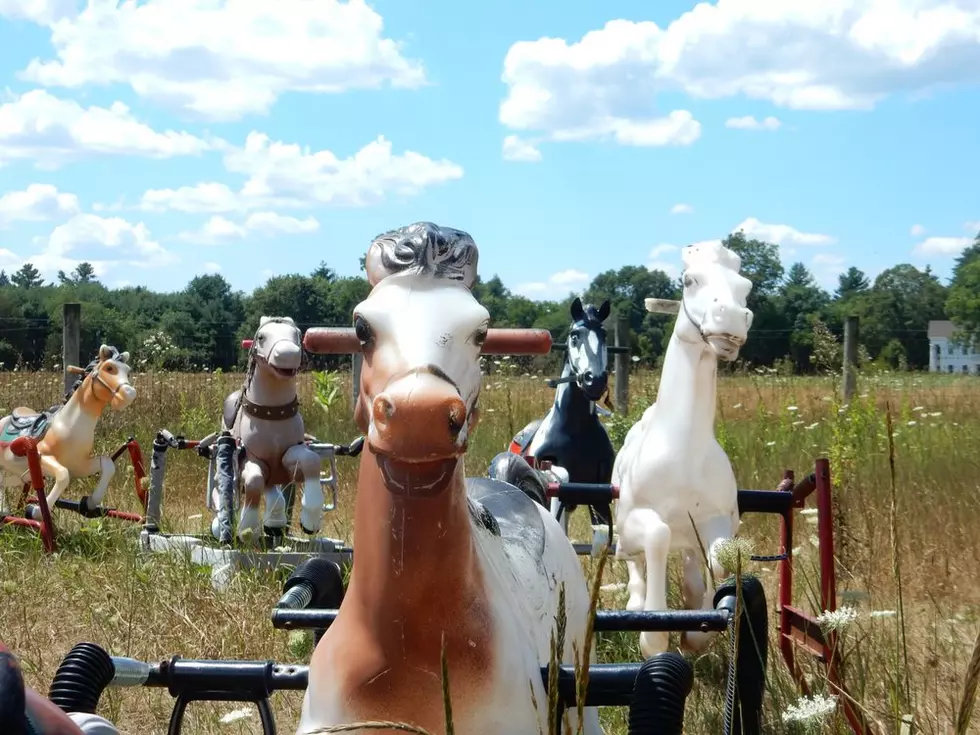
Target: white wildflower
x=813, y=426
x=912, y=423
x=936, y=413
x=770, y=444
x=919, y=408
x=792, y=408
x=837, y=620
x=737, y=405
x=883, y=613
x=236, y=715
x=797, y=423
x=728, y=551
x=811, y=711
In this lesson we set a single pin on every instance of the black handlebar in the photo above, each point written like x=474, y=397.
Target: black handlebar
x=655, y=690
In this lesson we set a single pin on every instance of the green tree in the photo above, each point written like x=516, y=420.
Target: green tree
x=27, y=277
x=963, y=299
x=802, y=302
x=851, y=283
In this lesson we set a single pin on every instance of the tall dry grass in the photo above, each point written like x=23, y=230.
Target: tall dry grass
x=97, y=588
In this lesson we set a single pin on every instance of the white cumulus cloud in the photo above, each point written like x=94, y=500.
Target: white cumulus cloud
x=218, y=59
x=796, y=54
x=105, y=242
x=219, y=230
x=942, y=246
x=750, y=123
x=40, y=127
x=682, y=209
x=518, y=149
x=281, y=175
x=37, y=203
x=557, y=286
x=917, y=231
x=781, y=234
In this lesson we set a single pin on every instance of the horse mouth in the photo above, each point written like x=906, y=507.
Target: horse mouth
x=726, y=346
x=284, y=372
x=413, y=478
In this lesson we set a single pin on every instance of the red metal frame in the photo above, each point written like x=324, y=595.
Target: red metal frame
x=24, y=446
x=800, y=629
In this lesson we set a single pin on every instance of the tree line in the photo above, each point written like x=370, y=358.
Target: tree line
x=797, y=324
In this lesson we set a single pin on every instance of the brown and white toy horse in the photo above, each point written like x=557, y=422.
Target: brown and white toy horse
x=67, y=433
x=472, y=562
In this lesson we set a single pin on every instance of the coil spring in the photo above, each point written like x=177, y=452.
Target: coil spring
x=81, y=678
x=659, y=695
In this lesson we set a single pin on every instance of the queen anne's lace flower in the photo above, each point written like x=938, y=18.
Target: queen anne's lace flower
x=837, y=620
x=810, y=712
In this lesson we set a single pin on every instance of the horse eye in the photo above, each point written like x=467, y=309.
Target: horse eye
x=363, y=330
x=480, y=336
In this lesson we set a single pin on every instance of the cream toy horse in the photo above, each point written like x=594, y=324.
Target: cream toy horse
x=66, y=434
x=264, y=417
x=472, y=563
x=670, y=464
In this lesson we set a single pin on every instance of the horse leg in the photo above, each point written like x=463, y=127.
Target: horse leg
x=714, y=532
x=300, y=459
x=637, y=584
x=254, y=482
x=52, y=468
x=274, y=522
x=106, y=469
x=645, y=535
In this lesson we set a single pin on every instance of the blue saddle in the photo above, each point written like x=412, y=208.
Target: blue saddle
x=34, y=425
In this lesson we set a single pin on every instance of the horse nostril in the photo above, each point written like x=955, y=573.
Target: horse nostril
x=384, y=409
x=457, y=417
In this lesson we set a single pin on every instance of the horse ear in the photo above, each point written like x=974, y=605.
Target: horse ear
x=604, y=311
x=105, y=352
x=578, y=313
x=124, y=357
x=289, y=320
x=263, y=320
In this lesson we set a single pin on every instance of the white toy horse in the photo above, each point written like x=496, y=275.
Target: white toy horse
x=670, y=464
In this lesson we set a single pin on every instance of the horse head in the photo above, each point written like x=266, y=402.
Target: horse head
x=586, y=348
x=108, y=376
x=714, y=299
x=277, y=347
x=421, y=331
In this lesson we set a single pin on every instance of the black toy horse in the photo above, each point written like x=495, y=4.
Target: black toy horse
x=571, y=434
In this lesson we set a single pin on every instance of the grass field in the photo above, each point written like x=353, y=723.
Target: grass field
x=901, y=656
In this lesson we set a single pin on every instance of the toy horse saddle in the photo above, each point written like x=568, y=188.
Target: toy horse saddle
x=33, y=425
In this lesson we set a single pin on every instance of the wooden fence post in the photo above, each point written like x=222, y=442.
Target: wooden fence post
x=356, y=360
x=849, y=384
x=71, y=337
x=622, y=363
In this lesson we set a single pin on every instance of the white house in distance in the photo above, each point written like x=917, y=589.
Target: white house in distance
x=946, y=357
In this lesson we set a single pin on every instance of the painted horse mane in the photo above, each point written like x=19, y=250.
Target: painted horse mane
x=423, y=249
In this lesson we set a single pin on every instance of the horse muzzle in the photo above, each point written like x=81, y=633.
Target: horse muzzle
x=594, y=386
x=419, y=418
x=123, y=396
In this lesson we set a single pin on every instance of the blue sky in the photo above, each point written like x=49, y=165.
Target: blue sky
x=167, y=138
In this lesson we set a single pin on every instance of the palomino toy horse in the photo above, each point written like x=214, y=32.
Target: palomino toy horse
x=66, y=433
x=472, y=564
x=571, y=435
x=264, y=418
x=670, y=464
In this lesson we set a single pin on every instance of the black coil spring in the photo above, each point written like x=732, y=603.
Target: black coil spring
x=81, y=678
x=659, y=695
